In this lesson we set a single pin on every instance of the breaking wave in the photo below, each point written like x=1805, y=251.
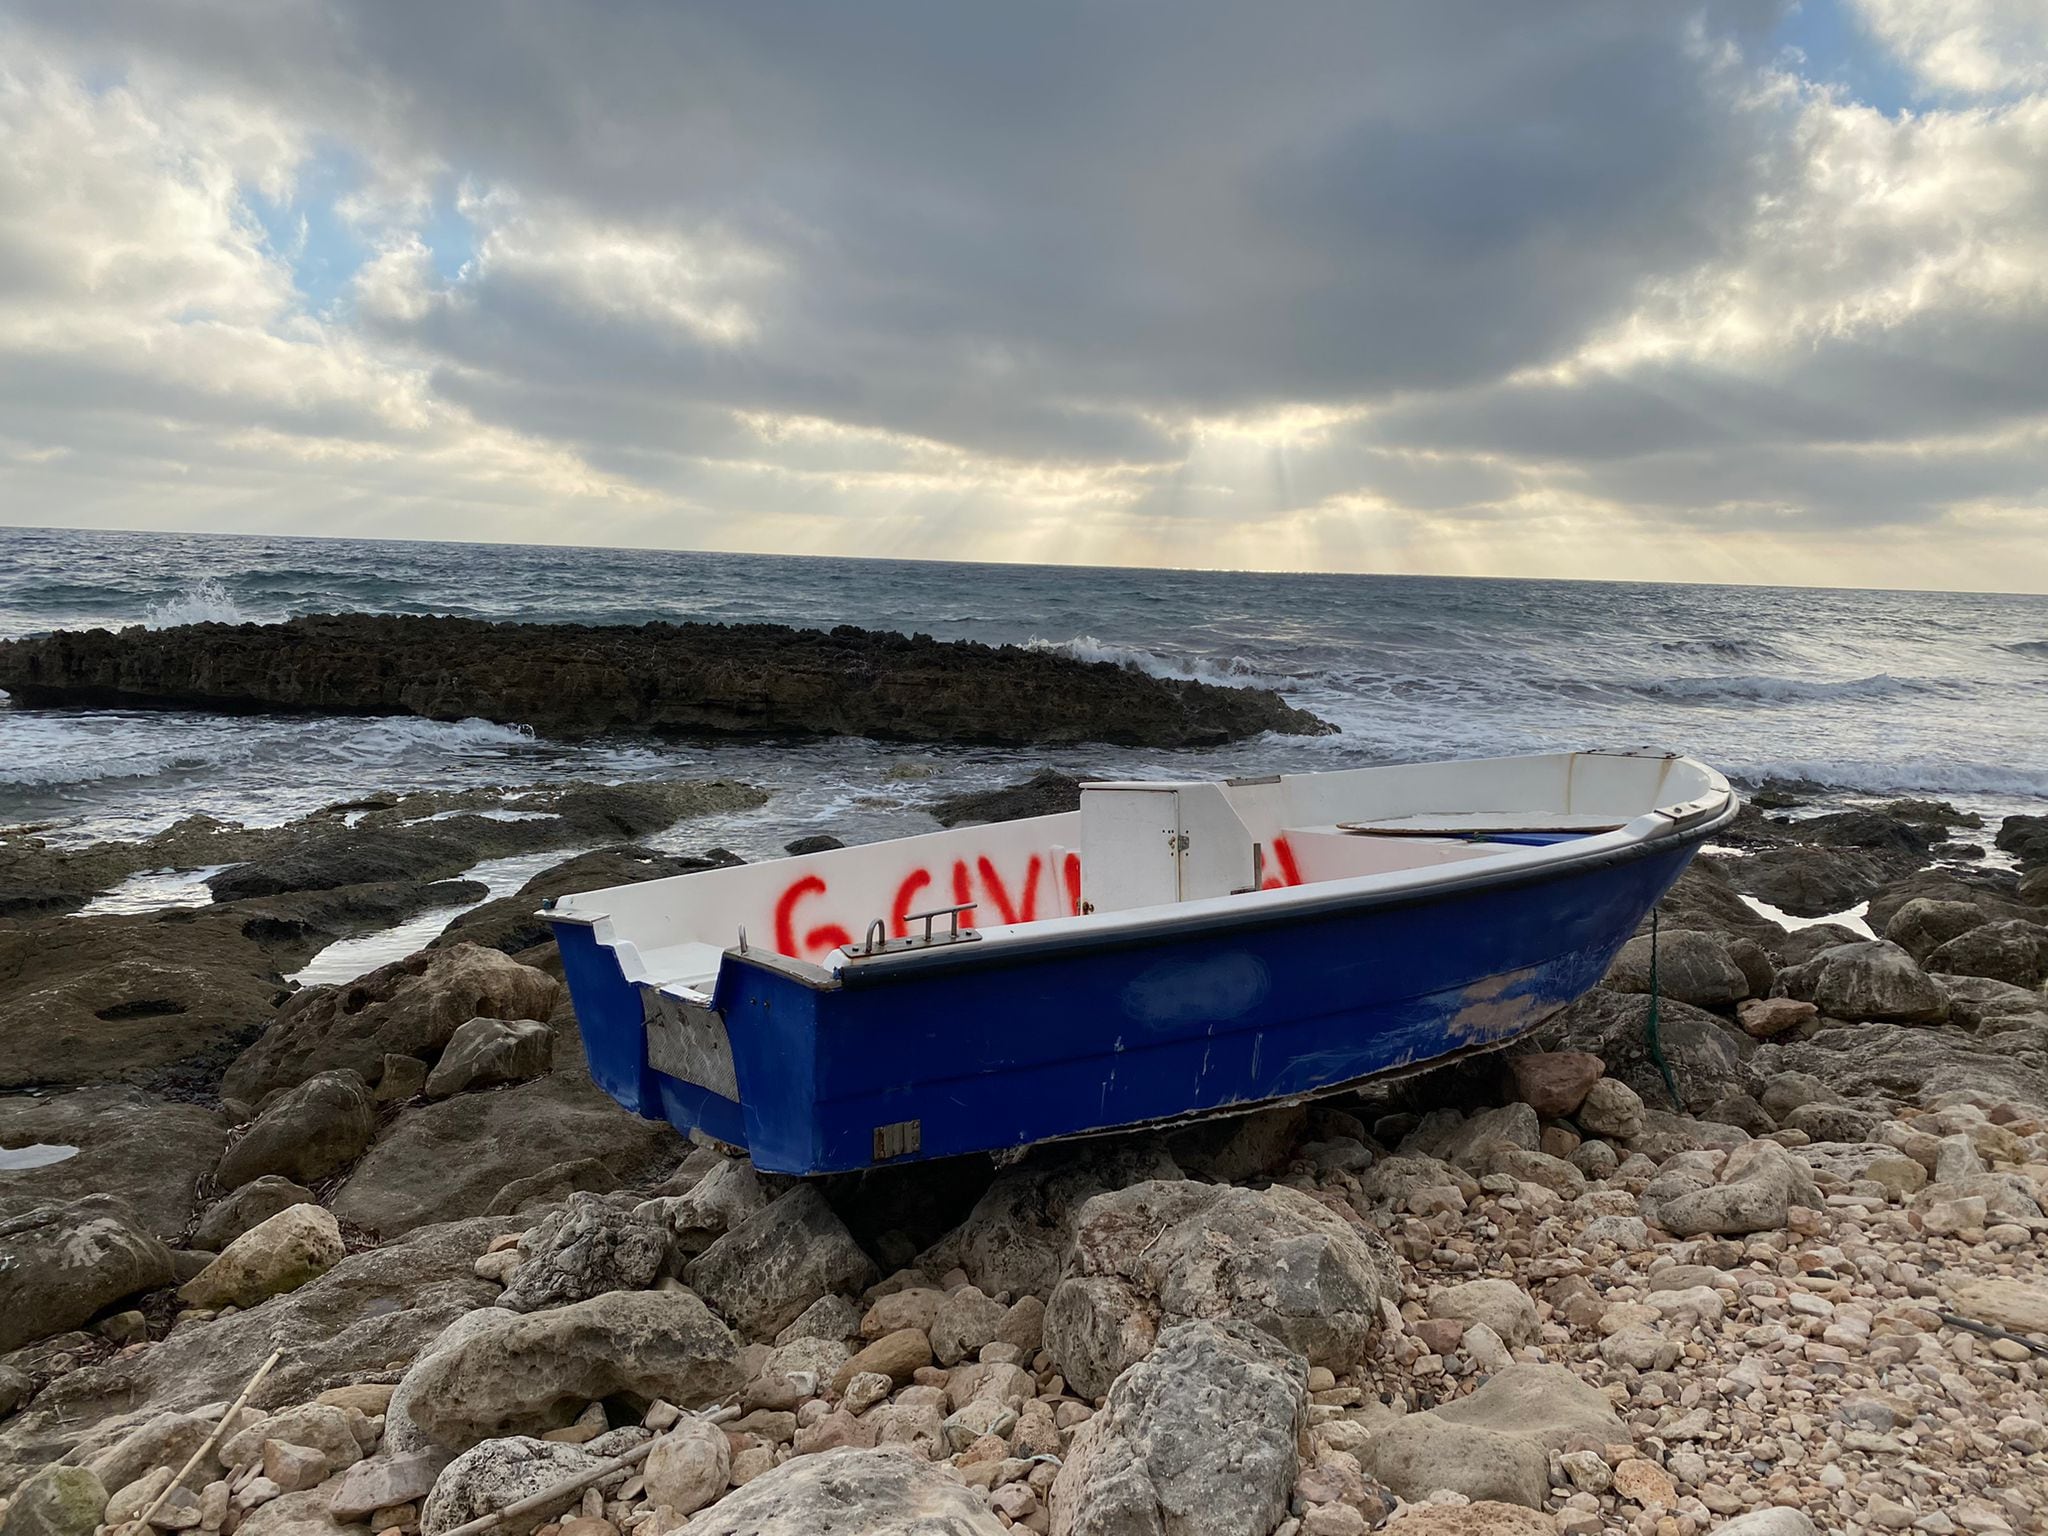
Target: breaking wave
x=206, y=603
x=2027, y=648
x=1235, y=672
x=1907, y=775
x=1780, y=690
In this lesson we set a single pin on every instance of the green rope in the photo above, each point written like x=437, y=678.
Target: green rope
x=1651, y=1033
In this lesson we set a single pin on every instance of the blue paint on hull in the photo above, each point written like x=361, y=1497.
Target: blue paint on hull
x=993, y=1051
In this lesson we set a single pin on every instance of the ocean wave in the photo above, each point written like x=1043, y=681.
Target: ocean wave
x=206, y=603
x=1749, y=689
x=1232, y=672
x=2026, y=647
x=1909, y=775
x=1729, y=647
x=391, y=735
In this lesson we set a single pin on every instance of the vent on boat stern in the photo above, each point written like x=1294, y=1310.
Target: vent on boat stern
x=903, y=1139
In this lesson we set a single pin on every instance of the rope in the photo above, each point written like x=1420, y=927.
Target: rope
x=1651, y=1033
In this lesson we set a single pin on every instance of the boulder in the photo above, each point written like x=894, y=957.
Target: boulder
x=2013, y=952
x=252, y=1204
x=486, y=1052
x=1200, y=1438
x=1708, y=1055
x=1776, y=1520
x=322, y=1125
x=1554, y=1083
x=1543, y=1403
x=276, y=1255
x=1874, y=981
x=532, y=1373
x=964, y=1322
x=65, y=1261
x=688, y=1467
x=411, y=1007
x=583, y=1250
x=765, y=1271
x=850, y=1492
x=2013, y=1304
x=1757, y=1186
x=2025, y=838
x=1766, y=1018
x=487, y=1477
x=1817, y=882
x=1481, y=1517
x=1705, y=901
x=1922, y=925
x=369, y=1316
x=57, y=1501
x=385, y=1482
x=339, y=1436
x=1911, y=1064
x=134, y=1147
x=1420, y=1453
x=450, y=1158
x=297, y=1514
x=726, y=1195
x=1014, y=1238
x=1692, y=967
x=1500, y=1304
x=1613, y=1109
x=1164, y=1252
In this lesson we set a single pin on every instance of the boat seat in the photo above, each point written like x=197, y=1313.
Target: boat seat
x=1481, y=824
x=683, y=965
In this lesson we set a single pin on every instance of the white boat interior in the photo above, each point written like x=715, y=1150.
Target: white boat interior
x=1146, y=852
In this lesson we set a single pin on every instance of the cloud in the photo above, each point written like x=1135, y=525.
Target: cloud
x=1436, y=287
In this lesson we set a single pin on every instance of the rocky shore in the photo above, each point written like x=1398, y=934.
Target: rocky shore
x=1800, y=1286
x=573, y=680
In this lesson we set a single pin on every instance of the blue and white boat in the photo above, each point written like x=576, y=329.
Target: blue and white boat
x=1169, y=950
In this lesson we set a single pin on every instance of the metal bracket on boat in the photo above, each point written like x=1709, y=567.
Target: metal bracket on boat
x=878, y=942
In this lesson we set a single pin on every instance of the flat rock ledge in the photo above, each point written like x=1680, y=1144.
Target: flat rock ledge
x=694, y=679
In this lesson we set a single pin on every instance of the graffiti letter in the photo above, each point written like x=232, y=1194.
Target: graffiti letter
x=828, y=936
x=1071, y=868
x=1290, y=872
x=992, y=883
x=906, y=893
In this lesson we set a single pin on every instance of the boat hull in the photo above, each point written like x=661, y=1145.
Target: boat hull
x=991, y=1052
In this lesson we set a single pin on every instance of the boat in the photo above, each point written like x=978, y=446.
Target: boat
x=1168, y=951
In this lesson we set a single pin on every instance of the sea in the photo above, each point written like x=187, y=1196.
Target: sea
x=1867, y=694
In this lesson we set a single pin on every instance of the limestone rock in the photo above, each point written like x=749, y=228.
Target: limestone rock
x=587, y=1248
x=448, y=1159
x=297, y=1514
x=719, y=1201
x=521, y=1374
x=487, y=1477
x=1554, y=1083
x=277, y=1255
x=1709, y=1056
x=1922, y=925
x=1199, y=1438
x=341, y=1436
x=886, y=1492
x=132, y=1146
x=1774, y=1521
x=1481, y=1517
x=965, y=1321
x=2010, y=1304
x=1874, y=981
x=1766, y=1018
x=321, y=1125
x=1422, y=1452
x=1500, y=1304
x=2013, y=952
x=57, y=1501
x=1758, y=1184
x=766, y=1270
x=688, y=1467
x=1164, y=1252
x=369, y=1486
x=1014, y=1238
x=411, y=1007
x=1612, y=1109
x=251, y=1204
x=485, y=1052
x=65, y=1261
x=1545, y=1403
x=1692, y=967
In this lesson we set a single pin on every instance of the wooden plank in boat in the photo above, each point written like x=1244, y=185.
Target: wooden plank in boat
x=1480, y=823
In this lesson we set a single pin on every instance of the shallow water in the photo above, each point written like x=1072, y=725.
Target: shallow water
x=39, y=1154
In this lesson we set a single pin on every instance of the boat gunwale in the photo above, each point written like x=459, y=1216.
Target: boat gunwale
x=1021, y=946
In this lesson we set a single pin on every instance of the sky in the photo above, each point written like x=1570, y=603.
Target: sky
x=1751, y=291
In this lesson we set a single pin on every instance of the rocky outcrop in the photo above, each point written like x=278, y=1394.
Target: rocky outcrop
x=587, y=1248
x=1709, y=1057
x=1692, y=966
x=763, y=1273
x=513, y=923
x=701, y=679
x=411, y=1007
x=63, y=1262
x=1200, y=1437
x=57, y=1501
x=1873, y=982
x=519, y=1374
x=1046, y=793
x=850, y=1492
x=277, y=1255
x=1161, y=1253
x=306, y=1133
x=142, y=1150
x=452, y=1158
